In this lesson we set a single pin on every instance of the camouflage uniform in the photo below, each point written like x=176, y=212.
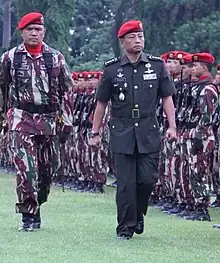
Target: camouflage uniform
x=86, y=168
x=34, y=99
x=200, y=140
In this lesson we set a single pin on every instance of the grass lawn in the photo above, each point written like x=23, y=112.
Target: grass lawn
x=80, y=227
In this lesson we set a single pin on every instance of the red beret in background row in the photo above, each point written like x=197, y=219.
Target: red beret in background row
x=177, y=55
x=203, y=57
x=129, y=27
x=164, y=57
x=186, y=59
x=31, y=18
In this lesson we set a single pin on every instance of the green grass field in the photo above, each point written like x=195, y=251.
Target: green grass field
x=80, y=227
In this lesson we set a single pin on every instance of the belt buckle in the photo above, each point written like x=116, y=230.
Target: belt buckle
x=135, y=114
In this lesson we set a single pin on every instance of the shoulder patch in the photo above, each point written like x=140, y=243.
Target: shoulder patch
x=151, y=57
x=111, y=61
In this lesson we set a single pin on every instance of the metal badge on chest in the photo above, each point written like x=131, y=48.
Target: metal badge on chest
x=122, y=88
x=148, y=74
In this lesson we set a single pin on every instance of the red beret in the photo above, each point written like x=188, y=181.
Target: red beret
x=129, y=27
x=186, y=60
x=218, y=67
x=164, y=56
x=31, y=18
x=203, y=57
x=75, y=75
x=177, y=55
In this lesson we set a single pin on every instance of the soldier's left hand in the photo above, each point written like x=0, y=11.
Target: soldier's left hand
x=171, y=134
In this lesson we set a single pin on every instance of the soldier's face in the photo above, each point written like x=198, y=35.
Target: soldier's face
x=33, y=34
x=133, y=42
x=174, y=66
x=217, y=78
x=198, y=69
x=187, y=71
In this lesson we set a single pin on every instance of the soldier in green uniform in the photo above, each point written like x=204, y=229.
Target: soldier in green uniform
x=134, y=83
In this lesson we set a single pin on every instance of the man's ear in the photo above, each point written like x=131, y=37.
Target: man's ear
x=121, y=41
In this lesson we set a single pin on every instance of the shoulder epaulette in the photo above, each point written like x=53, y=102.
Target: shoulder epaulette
x=151, y=57
x=111, y=61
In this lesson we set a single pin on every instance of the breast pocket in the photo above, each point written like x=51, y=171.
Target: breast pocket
x=120, y=97
x=150, y=90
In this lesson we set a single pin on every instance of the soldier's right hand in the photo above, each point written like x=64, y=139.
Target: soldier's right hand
x=95, y=141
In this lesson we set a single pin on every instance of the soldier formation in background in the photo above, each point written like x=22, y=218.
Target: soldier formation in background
x=188, y=168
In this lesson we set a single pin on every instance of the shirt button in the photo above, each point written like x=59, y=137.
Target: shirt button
x=136, y=87
x=135, y=71
x=151, y=86
x=136, y=124
x=113, y=126
x=136, y=105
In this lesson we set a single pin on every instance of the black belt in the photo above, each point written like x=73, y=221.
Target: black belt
x=135, y=114
x=41, y=109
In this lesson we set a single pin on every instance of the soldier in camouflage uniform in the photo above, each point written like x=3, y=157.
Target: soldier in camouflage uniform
x=34, y=79
x=199, y=134
x=173, y=64
x=182, y=187
x=216, y=156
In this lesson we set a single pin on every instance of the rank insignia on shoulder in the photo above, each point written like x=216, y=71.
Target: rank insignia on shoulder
x=151, y=57
x=111, y=61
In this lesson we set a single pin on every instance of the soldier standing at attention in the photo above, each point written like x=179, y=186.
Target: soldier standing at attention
x=134, y=84
x=33, y=80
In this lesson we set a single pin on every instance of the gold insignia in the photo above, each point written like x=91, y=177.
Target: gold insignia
x=195, y=58
x=180, y=56
x=141, y=26
x=42, y=20
x=170, y=55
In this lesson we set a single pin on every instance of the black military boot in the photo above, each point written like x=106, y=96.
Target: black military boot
x=37, y=220
x=126, y=234
x=161, y=203
x=216, y=203
x=153, y=200
x=98, y=188
x=177, y=210
x=201, y=214
x=216, y=226
x=168, y=207
x=27, y=223
x=139, y=229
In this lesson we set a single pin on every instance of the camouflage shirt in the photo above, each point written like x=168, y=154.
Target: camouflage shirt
x=32, y=90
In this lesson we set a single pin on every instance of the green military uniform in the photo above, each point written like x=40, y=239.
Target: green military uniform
x=134, y=90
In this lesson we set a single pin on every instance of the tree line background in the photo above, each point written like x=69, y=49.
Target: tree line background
x=86, y=30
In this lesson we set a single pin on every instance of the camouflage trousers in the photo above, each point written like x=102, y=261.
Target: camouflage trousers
x=216, y=170
x=36, y=160
x=160, y=190
x=169, y=152
x=186, y=193
x=199, y=170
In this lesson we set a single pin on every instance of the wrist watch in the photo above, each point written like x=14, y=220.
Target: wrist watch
x=93, y=134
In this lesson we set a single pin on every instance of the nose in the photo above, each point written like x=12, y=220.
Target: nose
x=33, y=32
x=137, y=39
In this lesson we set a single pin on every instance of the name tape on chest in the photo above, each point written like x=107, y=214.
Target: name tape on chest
x=150, y=76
